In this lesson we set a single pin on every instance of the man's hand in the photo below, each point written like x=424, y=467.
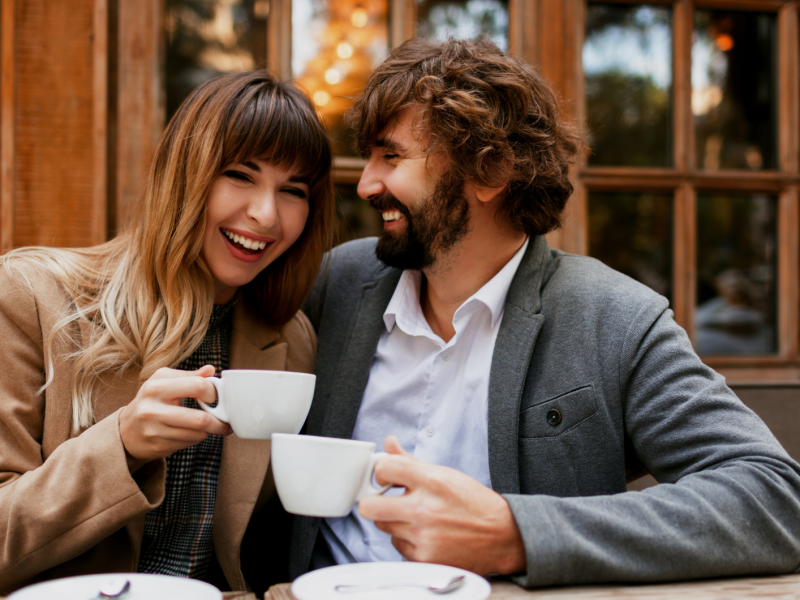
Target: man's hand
x=155, y=425
x=444, y=517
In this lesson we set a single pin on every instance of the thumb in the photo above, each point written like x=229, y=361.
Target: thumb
x=206, y=371
x=391, y=445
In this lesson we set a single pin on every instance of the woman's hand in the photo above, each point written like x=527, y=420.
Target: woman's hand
x=155, y=424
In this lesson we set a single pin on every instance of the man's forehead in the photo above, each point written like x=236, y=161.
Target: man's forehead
x=402, y=132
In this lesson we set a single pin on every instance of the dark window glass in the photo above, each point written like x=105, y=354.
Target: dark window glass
x=632, y=233
x=439, y=19
x=335, y=47
x=735, y=311
x=357, y=219
x=734, y=83
x=627, y=62
x=206, y=38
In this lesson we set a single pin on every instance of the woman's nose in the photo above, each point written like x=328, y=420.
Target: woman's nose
x=371, y=183
x=263, y=209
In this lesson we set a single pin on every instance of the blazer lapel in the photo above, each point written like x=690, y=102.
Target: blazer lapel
x=513, y=349
x=243, y=469
x=357, y=357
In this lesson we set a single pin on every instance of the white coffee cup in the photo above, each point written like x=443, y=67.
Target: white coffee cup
x=323, y=477
x=260, y=403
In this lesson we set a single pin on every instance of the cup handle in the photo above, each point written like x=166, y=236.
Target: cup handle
x=218, y=410
x=367, y=489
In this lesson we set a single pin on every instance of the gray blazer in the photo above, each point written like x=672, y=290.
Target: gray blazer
x=633, y=396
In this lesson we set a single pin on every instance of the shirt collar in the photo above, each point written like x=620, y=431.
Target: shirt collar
x=405, y=311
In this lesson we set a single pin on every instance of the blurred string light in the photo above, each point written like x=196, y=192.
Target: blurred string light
x=724, y=42
x=321, y=98
x=333, y=76
x=344, y=50
x=359, y=18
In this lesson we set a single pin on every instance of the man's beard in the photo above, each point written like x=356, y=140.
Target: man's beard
x=432, y=229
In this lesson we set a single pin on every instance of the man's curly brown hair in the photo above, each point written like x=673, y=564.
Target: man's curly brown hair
x=494, y=118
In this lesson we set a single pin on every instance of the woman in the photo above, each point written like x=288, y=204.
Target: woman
x=103, y=467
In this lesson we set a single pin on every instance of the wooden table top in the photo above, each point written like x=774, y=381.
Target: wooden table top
x=784, y=587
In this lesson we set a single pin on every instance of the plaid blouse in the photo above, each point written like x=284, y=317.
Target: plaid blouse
x=177, y=534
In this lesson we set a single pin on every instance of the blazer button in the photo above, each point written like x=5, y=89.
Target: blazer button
x=553, y=417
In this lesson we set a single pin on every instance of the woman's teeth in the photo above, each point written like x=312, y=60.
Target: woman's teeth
x=253, y=245
x=391, y=215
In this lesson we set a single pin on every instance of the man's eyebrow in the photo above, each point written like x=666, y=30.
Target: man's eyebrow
x=390, y=145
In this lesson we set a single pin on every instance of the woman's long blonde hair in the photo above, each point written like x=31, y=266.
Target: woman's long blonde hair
x=149, y=289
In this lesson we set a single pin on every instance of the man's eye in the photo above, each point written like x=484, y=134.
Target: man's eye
x=238, y=175
x=390, y=156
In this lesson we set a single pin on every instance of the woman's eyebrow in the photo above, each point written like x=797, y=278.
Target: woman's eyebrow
x=252, y=165
x=299, y=179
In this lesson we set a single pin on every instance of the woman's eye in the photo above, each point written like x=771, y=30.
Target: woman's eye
x=237, y=175
x=296, y=192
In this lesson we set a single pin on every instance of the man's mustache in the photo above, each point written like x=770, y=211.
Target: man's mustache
x=387, y=201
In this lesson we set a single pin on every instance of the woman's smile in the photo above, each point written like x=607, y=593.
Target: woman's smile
x=246, y=246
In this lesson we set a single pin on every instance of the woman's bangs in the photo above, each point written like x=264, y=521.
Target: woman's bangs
x=273, y=125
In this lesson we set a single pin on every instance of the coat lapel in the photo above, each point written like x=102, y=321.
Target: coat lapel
x=513, y=349
x=243, y=480
x=357, y=358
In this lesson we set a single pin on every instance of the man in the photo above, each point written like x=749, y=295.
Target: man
x=516, y=386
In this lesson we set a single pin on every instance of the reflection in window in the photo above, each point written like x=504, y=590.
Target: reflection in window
x=357, y=218
x=632, y=233
x=335, y=46
x=734, y=62
x=627, y=61
x=206, y=38
x=735, y=311
x=439, y=19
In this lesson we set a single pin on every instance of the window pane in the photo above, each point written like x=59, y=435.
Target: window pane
x=632, y=233
x=206, y=38
x=439, y=19
x=335, y=46
x=734, y=83
x=627, y=62
x=735, y=311
x=357, y=219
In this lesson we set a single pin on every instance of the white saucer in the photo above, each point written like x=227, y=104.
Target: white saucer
x=143, y=587
x=320, y=584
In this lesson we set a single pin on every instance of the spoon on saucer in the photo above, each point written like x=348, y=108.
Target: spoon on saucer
x=443, y=586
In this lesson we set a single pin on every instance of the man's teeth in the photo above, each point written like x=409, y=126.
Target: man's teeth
x=246, y=242
x=391, y=215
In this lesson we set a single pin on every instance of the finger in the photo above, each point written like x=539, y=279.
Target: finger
x=167, y=373
x=402, y=471
x=404, y=547
x=179, y=417
x=170, y=390
x=386, y=508
x=391, y=445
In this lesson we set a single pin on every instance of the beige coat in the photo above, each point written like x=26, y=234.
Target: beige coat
x=68, y=504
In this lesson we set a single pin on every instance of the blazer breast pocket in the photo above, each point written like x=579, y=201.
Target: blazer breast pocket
x=558, y=415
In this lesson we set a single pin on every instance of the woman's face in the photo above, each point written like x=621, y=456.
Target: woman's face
x=256, y=211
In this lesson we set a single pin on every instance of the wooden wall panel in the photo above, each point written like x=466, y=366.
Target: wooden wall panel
x=139, y=100
x=58, y=124
x=7, y=125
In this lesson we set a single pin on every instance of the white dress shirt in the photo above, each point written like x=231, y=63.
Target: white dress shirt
x=432, y=395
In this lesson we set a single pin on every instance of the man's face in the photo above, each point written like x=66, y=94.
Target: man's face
x=425, y=214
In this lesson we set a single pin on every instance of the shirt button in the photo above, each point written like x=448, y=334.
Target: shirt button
x=430, y=431
x=446, y=356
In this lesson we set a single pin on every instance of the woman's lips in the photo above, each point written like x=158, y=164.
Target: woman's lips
x=241, y=253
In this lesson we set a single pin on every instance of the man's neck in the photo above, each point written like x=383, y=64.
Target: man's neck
x=465, y=270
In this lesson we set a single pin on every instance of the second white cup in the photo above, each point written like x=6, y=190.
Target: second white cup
x=323, y=477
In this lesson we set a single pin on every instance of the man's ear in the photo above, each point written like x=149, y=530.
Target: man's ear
x=487, y=194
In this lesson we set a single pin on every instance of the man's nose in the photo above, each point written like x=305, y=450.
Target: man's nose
x=371, y=182
x=263, y=209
